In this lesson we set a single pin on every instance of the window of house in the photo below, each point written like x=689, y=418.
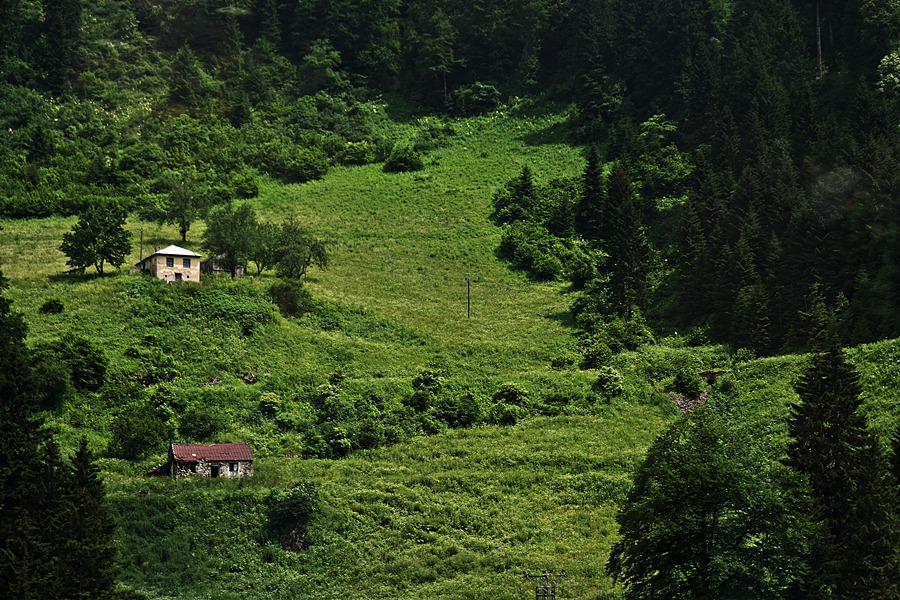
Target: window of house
x=187, y=263
x=170, y=262
x=232, y=467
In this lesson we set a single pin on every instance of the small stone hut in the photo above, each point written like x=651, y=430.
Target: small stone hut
x=210, y=460
x=173, y=263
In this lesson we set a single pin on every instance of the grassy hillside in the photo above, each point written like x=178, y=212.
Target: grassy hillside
x=458, y=513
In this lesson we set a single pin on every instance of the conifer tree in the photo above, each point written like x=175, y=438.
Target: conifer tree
x=90, y=554
x=857, y=552
x=628, y=248
x=592, y=222
x=22, y=551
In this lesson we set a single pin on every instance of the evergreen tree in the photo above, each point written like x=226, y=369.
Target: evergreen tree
x=592, y=212
x=62, y=40
x=857, y=552
x=89, y=553
x=23, y=553
x=628, y=248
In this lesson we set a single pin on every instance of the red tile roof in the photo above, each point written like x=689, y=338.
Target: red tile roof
x=194, y=452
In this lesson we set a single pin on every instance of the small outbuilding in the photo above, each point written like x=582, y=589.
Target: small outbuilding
x=214, y=266
x=173, y=263
x=210, y=460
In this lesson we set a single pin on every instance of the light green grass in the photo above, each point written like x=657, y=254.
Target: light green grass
x=455, y=516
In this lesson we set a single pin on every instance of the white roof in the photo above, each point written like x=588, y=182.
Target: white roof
x=174, y=250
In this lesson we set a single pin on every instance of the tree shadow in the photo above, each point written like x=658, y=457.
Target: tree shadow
x=86, y=277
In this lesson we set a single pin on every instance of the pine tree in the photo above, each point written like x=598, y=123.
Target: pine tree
x=628, y=248
x=90, y=553
x=23, y=553
x=857, y=552
x=592, y=212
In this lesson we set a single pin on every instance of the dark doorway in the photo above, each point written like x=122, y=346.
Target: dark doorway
x=214, y=471
x=177, y=276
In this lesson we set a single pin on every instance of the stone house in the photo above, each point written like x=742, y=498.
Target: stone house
x=172, y=263
x=210, y=460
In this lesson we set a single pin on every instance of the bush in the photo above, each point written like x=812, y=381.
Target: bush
x=291, y=512
x=510, y=393
x=463, y=410
x=687, y=381
x=503, y=414
x=139, y=431
x=475, y=99
x=609, y=383
x=53, y=306
x=403, y=158
x=291, y=298
x=531, y=247
x=199, y=425
x=595, y=351
x=85, y=361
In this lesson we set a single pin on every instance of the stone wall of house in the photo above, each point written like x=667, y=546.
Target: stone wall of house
x=157, y=267
x=204, y=468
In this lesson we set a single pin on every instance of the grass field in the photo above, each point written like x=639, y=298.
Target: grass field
x=457, y=514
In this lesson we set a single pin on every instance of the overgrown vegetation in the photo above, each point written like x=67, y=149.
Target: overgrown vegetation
x=427, y=421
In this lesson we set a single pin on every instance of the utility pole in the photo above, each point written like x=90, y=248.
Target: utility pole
x=468, y=298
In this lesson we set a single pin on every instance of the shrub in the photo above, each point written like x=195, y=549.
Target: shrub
x=595, y=351
x=462, y=410
x=53, y=306
x=85, y=361
x=291, y=512
x=503, y=414
x=510, y=393
x=403, y=158
x=531, y=247
x=137, y=432
x=199, y=425
x=291, y=298
x=687, y=381
x=475, y=99
x=269, y=404
x=53, y=377
x=609, y=383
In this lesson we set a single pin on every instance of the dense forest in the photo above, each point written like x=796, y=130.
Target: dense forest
x=735, y=197
x=750, y=147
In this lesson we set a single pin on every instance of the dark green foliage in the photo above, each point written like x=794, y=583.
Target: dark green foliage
x=476, y=98
x=90, y=566
x=403, y=158
x=230, y=234
x=693, y=525
x=609, y=383
x=856, y=552
x=298, y=250
x=532, y=248
x=291, y=298
x=53, y=306
x=291, y=512
x=97, y=238
x=56, y=539
x=139, y=430
x=199, y=425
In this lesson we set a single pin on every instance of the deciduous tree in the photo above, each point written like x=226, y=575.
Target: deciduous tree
x=99, y=237
x=708, y=517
